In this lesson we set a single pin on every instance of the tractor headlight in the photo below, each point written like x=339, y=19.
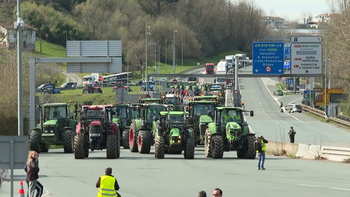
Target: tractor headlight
x=46, y=131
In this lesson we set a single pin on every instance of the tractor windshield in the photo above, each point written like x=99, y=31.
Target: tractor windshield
x=231, y=116
x=134, y=113
x=55, y=113
x=171, y=100
x=153, y=111
x=93, y=115
x=176, y=119
x=121, y=112
x=204, y=109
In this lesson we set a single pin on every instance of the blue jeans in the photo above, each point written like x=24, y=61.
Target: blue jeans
x=261, y=158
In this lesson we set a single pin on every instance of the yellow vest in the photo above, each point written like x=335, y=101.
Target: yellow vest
x=107, y=187
x=263, y=146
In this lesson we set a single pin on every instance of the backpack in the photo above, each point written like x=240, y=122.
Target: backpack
x=31, y=169
x=257, y=145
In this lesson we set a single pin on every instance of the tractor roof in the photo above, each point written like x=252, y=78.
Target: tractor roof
x=170, y=95
x=121, y=105
x=229, y=108
x=96, y=107
x=173, y=113
x=55, y=104
x=201, y=102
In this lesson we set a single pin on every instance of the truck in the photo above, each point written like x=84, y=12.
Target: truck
x=209, y=68
x=221, y=68
x=230, y=61
x=94, y=77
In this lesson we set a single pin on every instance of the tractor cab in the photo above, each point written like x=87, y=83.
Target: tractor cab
x=151, y=100
x=171, y=99
x=91, y=88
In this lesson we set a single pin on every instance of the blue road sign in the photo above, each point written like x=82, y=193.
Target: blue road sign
x=289, y=81
x=287, y=64
x=268, y=58
x=287, y=51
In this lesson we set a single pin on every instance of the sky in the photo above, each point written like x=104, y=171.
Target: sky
x=292, y=10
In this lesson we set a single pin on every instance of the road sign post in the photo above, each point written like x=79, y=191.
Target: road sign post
x=268, y=58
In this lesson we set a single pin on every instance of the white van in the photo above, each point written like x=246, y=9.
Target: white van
x=221, y=69
x=230, y=59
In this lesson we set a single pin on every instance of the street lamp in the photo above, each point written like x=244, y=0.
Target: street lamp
x=174, y=41
x=147, y=33
x=182, y=51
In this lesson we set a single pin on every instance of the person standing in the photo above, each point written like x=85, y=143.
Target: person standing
x=107, y=184
x=291, y=134
x=217, y=192
x=32, y=174
x=202, y=194
x=2, y=173
x=261, y=152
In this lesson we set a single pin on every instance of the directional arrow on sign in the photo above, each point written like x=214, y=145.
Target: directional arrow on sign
x=279, y=70
x=256, y=70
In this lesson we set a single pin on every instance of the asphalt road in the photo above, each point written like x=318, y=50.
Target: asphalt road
x=141, y=175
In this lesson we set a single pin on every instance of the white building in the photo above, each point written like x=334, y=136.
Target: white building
x=273, y=21
x=8, y=37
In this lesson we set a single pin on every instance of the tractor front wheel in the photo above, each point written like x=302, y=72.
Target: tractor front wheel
x=68, y=141
x=112, y=146
x=34, y=140
x=189, y=149
x=144, y=141
x=44, y=147
x=159, y=148
x=79, y=148
x=207, y=139
x=217, y=147
x=132, y=138
x=126, y=139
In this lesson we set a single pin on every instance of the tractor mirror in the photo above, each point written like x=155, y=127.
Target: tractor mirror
x=186, y=108
x=252, y=113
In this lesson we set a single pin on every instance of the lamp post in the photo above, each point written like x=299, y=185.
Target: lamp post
x=19, y=23
x=147, y=33
x=166, y=56
x=174, y=41
x=159, y=58
x=182, y=51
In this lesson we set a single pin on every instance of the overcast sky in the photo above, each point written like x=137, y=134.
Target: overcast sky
x=292, y=9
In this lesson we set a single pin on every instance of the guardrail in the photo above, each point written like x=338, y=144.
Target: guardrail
x=190, y=69
x=345, y=121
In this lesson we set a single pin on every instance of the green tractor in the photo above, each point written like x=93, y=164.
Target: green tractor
x=151, y=100
x=56, y=127
x=173, y=135
x=142, y=129
x=124, y=113
x=172, y=99
x=200, y=114
x=228, y=132
x=220, y=101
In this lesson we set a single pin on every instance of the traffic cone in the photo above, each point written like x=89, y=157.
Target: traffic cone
x=21, y=190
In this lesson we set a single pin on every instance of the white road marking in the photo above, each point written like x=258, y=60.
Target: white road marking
x=306, y=185
x=338, y=188
x=318, y=186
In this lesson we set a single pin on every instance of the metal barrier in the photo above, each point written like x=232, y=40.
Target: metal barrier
x=336, y=153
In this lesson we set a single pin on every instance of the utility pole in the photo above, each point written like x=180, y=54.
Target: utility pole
x=166, y=56
x=147, y=33
x=19, y=23
x=182, y=51
x=159, y=58
x=174, y=41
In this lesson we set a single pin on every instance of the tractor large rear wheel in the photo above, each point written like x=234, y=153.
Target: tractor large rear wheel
x=217, y=147
x=126, y=139
x=34, y=140
x=79, y=148
x=132, y=138
x=189, y=149
x=68, y=141
x=250, y=152
x=144, y=141
x=112, y=146
x=159, y=148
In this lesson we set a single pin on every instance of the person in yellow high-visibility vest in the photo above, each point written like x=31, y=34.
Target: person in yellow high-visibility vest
x=261, y=152
x=107, y=184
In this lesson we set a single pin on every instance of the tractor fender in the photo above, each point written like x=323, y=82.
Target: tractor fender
x=138, y=124
x=115, y=128
x=37, y=129
x=212, y=127
x=78, y=128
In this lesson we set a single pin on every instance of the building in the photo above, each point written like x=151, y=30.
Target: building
x=323, y=18
x=275, y=22
x=8, y=37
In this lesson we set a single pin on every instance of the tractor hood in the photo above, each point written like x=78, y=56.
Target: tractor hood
x=175, y=136
x=116, y=120
x=233, y=131
x=50, y=122
x=232, y=125
x=205, y=119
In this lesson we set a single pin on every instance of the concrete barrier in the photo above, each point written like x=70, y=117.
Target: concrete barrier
x=278, y=147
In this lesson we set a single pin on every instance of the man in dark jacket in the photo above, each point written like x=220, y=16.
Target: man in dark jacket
x=291, y=134
x=261, y=152
x=106, y=181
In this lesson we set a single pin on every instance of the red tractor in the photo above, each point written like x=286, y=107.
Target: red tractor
x=96, y=131
x=91, y=88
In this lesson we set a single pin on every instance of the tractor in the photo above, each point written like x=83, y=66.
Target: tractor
x=177, y=102
x=142, y=129
x=90, y=88
x=215, y=98
x=200, y=114
x=56, y=127
x=124, y=113
x=151, y=100
x=96, y=131
x=173, y=135
x=229, y=131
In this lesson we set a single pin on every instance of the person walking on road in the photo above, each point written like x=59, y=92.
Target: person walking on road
x=32, y=174
x=261, y=152
x=2, y=173
x=107, y=184
x=202, y=194
x=217, y=192
x=291, y=134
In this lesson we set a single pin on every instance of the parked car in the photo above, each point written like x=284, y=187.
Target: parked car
x=69, y=85
x=291, y=108
x=51, y=89
x=43, y=87
x=278, y=93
